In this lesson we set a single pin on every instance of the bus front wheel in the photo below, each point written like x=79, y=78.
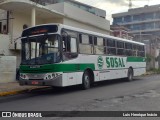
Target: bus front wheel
x=130, y=74
x=86, y=80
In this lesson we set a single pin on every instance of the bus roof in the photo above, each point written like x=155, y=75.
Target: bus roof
x=89, y=32
x=99, y=34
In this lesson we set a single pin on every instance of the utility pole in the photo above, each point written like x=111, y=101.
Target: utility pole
x=130, y=2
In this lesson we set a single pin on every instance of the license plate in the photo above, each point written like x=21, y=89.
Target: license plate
x=35, y=83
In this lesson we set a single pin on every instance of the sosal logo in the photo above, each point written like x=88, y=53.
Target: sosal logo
x=100, y=62
x=114, y=62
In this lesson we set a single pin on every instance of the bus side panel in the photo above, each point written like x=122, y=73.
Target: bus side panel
x=79, y=77
x=96, y=76
x=73, y=78
x=139, y=71
x=139, y=68
x=64, y=79
x=113, y=74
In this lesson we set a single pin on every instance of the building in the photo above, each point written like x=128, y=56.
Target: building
x=144, y=24
x=19, y=13
x=121, y=31
x=3, y=21
x=144, y=20
x=85, y=7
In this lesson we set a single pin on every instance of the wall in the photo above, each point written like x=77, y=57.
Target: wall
x=86, y=18
x=53, y=20
x=4, y=48
x=78, y=24
x=7, y=69
x=16, y=28
x=4, y=44
x=80, y=18
x=3, y=16
x=18, y=22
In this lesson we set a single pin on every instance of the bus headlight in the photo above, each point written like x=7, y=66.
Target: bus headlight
x=24, y=76
x=50, y=76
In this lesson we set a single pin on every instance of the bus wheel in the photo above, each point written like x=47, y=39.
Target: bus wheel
x=86, y=80
x=130, y=74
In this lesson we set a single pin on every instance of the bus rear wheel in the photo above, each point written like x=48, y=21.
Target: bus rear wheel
x=86, y=80
x=130, y=75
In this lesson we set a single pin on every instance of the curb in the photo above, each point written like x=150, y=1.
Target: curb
x=13, y=92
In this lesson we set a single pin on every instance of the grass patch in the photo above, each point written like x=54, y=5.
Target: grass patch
x=154, y=71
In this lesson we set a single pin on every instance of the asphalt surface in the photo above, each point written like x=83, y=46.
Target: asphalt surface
x=142, y=94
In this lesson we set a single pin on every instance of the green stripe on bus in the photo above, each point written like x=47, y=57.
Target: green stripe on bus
x=56, y=68
x=136, y=59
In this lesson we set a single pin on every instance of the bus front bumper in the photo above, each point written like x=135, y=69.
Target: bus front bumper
x=54, y=82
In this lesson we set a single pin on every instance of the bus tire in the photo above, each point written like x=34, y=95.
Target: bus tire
x=130, y=75
x=86, y=80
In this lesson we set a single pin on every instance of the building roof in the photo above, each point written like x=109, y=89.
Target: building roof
x=25, y=6
x=46, y=12
x=145, y=9
x=74, y=1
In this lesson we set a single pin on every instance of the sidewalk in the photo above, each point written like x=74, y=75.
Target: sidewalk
x=14, y=88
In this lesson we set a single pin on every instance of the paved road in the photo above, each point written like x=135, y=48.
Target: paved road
x=140, y=95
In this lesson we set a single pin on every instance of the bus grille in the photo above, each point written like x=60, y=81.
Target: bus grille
x=36, y=76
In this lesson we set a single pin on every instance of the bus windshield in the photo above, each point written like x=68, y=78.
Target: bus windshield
x=42, y=49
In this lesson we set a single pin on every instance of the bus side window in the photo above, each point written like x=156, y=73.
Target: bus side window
x=69, y=47
x=95, y=40
x=73, y=45
x=111, y=47
x=80, y=38
x=135, y=50
x=128, y=47
x=66, y=43
x=85, y=45
x=99, y=47
x=141, y=50
x=105, y=45
x=91, y=40
x=120, y=48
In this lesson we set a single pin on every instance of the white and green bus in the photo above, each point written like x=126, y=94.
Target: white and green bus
x=60, y=55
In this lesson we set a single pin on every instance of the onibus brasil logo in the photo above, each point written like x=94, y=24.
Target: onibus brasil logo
x=100, y=62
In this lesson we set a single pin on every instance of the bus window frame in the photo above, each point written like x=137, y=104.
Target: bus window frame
x=120, y=48
x=106, y=44
x=128, y=49
x=86, y=44
x=111, y=47
x=71, y=55
x=99, y=46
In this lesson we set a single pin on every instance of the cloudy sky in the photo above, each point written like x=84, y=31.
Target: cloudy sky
x=116, y=6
